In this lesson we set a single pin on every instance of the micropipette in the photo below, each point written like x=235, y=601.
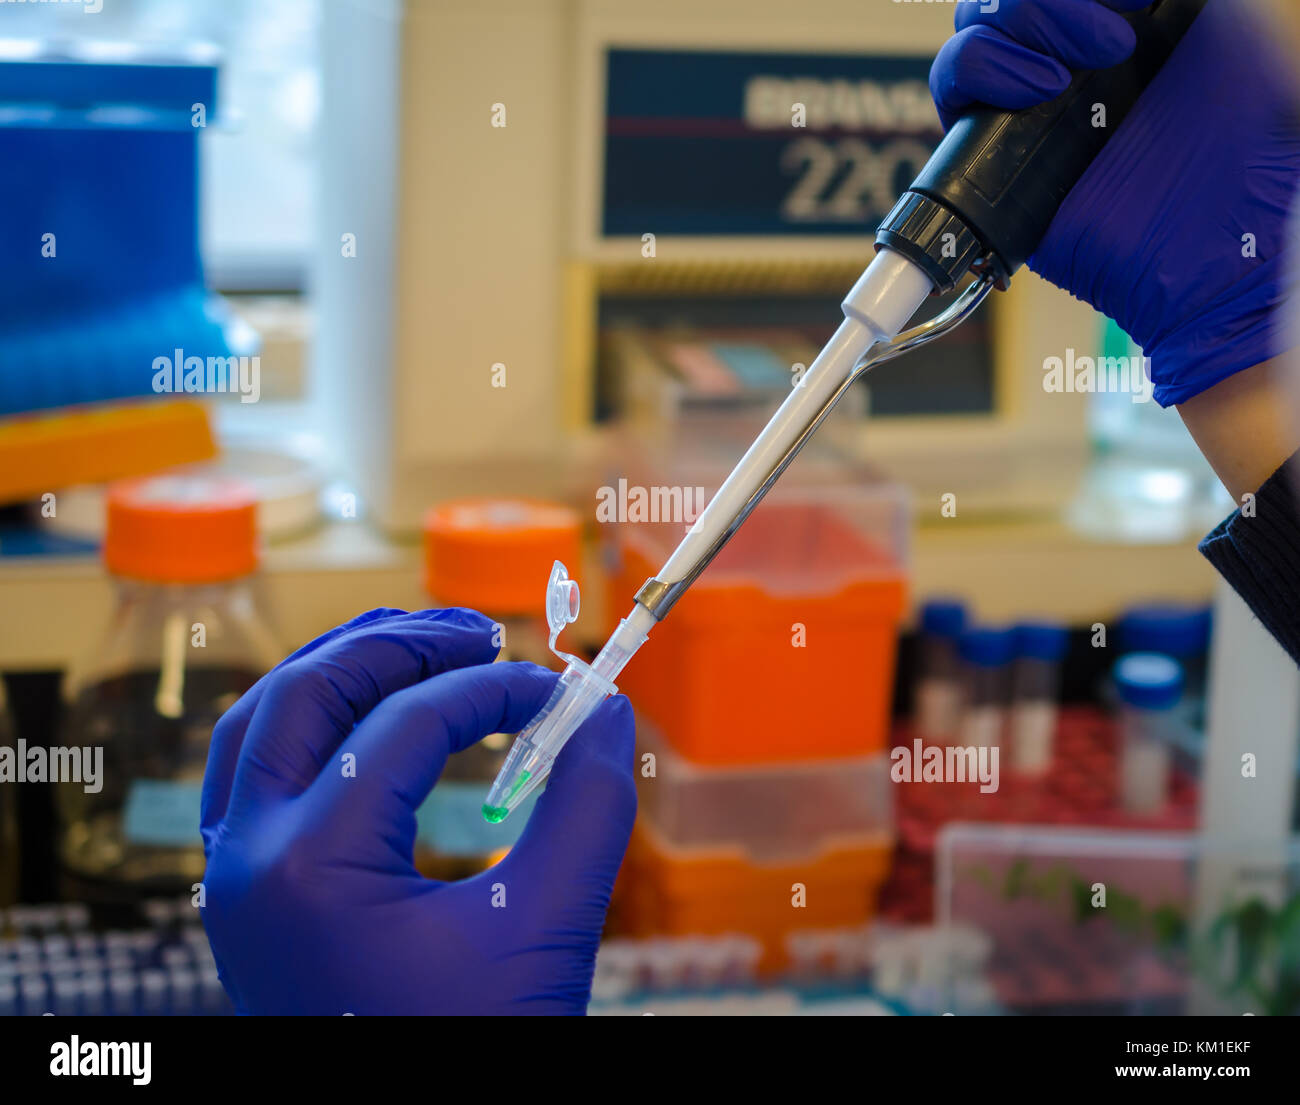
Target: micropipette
x=982, y=204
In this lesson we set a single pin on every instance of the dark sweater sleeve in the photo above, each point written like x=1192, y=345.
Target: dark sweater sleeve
x=1257, y=550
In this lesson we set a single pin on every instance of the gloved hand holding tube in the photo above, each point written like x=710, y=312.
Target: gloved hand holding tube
x=313, y=904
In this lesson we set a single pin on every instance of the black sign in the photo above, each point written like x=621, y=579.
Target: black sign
x=701, y=143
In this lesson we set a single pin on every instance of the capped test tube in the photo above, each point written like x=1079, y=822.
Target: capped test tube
x=1035, y=690
x=34, y=995
x=45, y=919
x=986, y=654
x=56, y=946
x=25, y=949
x=118, y=942
x=86, y=945
x=1150, y=687
x=183, y=984
x=212, y=996
x=1179, y=632
x=67, y=995
x=160, y=912
x=76, y=916
x=939, y=676
x=94, y=992
x=61, y=968
x=122, y=988
x=176, y=955
x=153, y=992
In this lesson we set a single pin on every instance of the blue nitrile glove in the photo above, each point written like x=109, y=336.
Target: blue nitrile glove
x=313, y=903
x=1152, y=236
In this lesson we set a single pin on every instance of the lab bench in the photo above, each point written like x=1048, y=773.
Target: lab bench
x=50, y=606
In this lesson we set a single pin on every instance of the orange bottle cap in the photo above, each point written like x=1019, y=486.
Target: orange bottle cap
x=495, y=555
x=181, y=529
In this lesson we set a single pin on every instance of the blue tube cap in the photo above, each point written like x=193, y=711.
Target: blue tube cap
x=1149, y=681
x=987, y=648
x=943, y=618
x=1178, y=631
x=1042, y=641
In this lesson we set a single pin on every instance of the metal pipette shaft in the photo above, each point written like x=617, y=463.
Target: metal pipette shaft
x=880, y=303
x=875, y=310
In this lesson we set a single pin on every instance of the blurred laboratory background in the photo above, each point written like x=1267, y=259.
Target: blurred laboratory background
x=312, y=307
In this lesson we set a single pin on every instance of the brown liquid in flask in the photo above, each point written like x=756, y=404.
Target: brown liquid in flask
x=186, y=639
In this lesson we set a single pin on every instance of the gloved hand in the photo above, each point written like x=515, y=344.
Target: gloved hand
x=313, y=903
x=1154, y=235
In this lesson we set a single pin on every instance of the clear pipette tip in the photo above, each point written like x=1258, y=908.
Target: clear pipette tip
x=581, y=688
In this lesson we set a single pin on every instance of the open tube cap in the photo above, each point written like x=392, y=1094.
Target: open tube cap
x=579, y=691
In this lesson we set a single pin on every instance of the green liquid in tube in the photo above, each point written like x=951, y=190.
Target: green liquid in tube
x=496, y=814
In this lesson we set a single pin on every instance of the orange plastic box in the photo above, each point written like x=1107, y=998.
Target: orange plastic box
x=784, y=648
x=771, y=812
x=662, y=891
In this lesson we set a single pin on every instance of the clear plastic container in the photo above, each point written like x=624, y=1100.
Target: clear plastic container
x=768, y=812
x=939, y=689
x=1035, y=691
x=185, y=641
x=679, y=390
x=1133, y=923
x=1150, y=688
x=987, y=655
x=494, y=556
